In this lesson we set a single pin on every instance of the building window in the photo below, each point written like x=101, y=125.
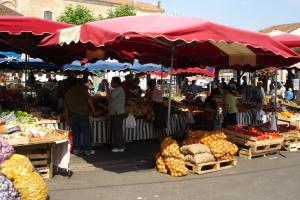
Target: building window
x=48, y=15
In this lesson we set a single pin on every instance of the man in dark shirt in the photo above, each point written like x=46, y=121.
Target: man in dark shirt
x=128, y=85
x=223, y=83
x=78, y=105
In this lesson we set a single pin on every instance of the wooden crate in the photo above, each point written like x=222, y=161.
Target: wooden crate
x=291, y=144
x=291, y=140
x=40, y=157
x=210, y=167
x=249, y=154
x=252, y=144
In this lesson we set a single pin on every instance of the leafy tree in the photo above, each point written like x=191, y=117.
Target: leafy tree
x=120, y=11
x=76, y=15
x=79, y=14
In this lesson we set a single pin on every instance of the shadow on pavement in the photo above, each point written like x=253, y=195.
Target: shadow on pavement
x=137, y=156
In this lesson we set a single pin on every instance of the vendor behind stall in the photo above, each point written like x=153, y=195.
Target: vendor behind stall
x=230, y=108
x=258, y=93
x=194, y=88
x=136, y=90
x=185, y=87
x=78, y=105
x=128, y=85
x=160, y=111
x=212, y=117
x=116, y=106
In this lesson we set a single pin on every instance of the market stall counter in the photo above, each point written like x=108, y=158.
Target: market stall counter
x=46, y=148
x=143, y=131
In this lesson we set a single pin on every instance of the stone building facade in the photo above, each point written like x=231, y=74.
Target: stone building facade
x=51, y=9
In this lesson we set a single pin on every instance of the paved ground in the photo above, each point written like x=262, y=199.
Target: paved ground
x=131, y=176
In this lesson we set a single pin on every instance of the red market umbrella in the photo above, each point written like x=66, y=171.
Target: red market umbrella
x=194, y=41
x=23, y=34
x=191, y=71
x=180, y=41
x=159, y=74
x=289, y=40
x=194, y=71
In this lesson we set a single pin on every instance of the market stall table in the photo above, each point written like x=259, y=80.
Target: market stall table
x=144, y=129
x=45, y=155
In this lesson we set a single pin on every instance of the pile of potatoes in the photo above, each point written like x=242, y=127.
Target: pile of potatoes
x=160, y=164
x=170, y=148
x=170, y=160
x=215, y=140
x=222, y=149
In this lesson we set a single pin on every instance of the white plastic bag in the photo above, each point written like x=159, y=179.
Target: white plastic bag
x=261, y=116
x=130, y=121
x=273, y=123
x=190, y=118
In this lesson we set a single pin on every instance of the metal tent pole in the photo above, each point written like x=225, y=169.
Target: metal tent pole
x=26, y=76
x=170, y=91
x=161, y=73
x=276, y=87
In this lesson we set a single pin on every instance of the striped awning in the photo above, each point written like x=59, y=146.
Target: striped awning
x=195, y=42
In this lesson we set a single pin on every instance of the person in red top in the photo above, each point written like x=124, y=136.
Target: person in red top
x=128, y=85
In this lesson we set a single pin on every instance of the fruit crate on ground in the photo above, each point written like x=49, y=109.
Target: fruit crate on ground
x=291, y=143
x=210, y=167
x=251, y=146
x=249, y=154
x=39, y=156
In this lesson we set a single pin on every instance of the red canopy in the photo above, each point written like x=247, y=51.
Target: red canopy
x=23, y=34
x=194, y=71
x=195, y=41
x=185, y=71
x=289, y=40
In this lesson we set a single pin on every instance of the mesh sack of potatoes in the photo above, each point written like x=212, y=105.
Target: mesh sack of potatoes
x=194, y=149
x=16, y=165
x=221, y=148
x=216, y=135
x=203, y=137
x=31, y=187
x=213, y=136
x=199, y=158
x=170, y=148
x=160, y=164
x=176, y=167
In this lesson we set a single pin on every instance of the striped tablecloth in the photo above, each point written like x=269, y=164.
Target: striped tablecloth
x=143, y=131
x=246, y=118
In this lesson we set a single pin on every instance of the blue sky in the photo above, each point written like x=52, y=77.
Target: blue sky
x=247, y=14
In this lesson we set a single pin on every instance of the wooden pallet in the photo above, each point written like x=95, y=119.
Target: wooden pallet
x=40, y=158
x=251, y=143
x=291, y=140
x=291, y=144
x=249, y=154
x=210, y=167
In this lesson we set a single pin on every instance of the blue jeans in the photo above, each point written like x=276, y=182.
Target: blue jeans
x=81, y=124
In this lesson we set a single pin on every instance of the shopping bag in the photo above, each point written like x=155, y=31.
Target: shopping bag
x=261, y=116
x=190, y=118
x=273, y=122
x=130, y=121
